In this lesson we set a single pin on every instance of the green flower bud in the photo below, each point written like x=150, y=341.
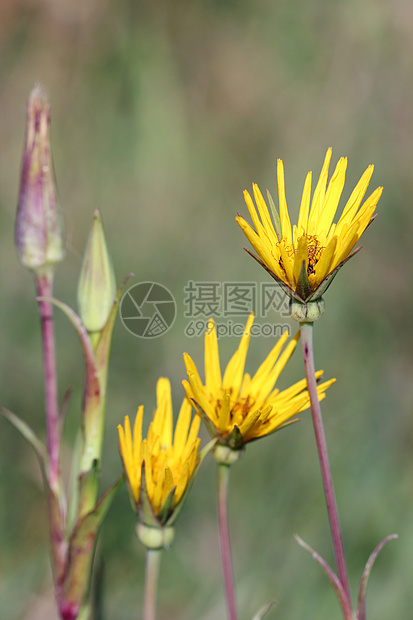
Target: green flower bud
x=39, y=230
x=97, y=287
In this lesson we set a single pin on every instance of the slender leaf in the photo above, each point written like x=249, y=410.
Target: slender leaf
x=361, y=608
x=75, y=582
x=335, y=582
x=263, y=610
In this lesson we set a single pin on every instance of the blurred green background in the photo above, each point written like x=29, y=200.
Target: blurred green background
x=162, y=114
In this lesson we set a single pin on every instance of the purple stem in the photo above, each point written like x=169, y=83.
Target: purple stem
x=223, y=480
x=44, y=286
x=308, y=354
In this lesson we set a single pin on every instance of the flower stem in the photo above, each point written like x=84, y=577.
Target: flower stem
x=153, y=561
x=223, y=480
x=44, y=286
x=308, y=354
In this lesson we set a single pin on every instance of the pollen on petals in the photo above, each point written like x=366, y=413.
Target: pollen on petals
x=316, y=241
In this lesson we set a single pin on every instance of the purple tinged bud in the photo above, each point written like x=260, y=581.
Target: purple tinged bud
x=39, y=230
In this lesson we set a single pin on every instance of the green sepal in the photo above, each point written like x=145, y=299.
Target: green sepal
x=167, y=508
x=263, y=610
x=303, y=288
x=210, y=426
x=276, y=217
x=145, y=511
x=320, y=290
x=74, y=584
x=287, y=289
x=275, y=430
x=234, y=439
x=168, y=514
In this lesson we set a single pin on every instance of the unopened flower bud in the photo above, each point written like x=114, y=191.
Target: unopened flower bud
x=97, y=288
x=39, y=230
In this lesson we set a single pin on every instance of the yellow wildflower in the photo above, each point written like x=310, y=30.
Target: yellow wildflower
x=238, y=408
x=160, y=468
x=305, y=259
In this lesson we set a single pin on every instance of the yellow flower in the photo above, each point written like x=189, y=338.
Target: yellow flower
x=305, y=260
x=238, y=408
x=160, y=469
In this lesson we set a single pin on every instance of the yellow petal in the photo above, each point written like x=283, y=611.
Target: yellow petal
x=323, y=267
x=182, y=427
x=163, y=416
x=334, y=191
x=235, y=369
x=264, y=215
x=319, y=194
x=168, y=485
x=270, y=256
x=284, y=217
x=287, y=263
x=198, y=390
x=137, y=434
x=213, y=380
x=301, y=254
x=223, y=422
x=305, y=206
x=265, y=368
x=355, y=199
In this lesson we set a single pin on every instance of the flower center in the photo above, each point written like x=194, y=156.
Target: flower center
x=314, y=252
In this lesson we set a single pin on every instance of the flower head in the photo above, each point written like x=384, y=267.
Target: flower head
x=238, y=408
x=160, y=468
x=305, y=259
x=39, y=231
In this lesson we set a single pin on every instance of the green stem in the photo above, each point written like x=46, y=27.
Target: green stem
x=308, y=354
x=153, y=561
x=223, y=481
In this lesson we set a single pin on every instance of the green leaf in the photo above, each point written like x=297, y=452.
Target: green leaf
x=335, y=582
x=74, y=585
x=54, y=496
x=263, y=610
x=25, y=430
x=361, y=608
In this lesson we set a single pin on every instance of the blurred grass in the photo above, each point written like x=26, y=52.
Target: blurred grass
x=162, y=114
